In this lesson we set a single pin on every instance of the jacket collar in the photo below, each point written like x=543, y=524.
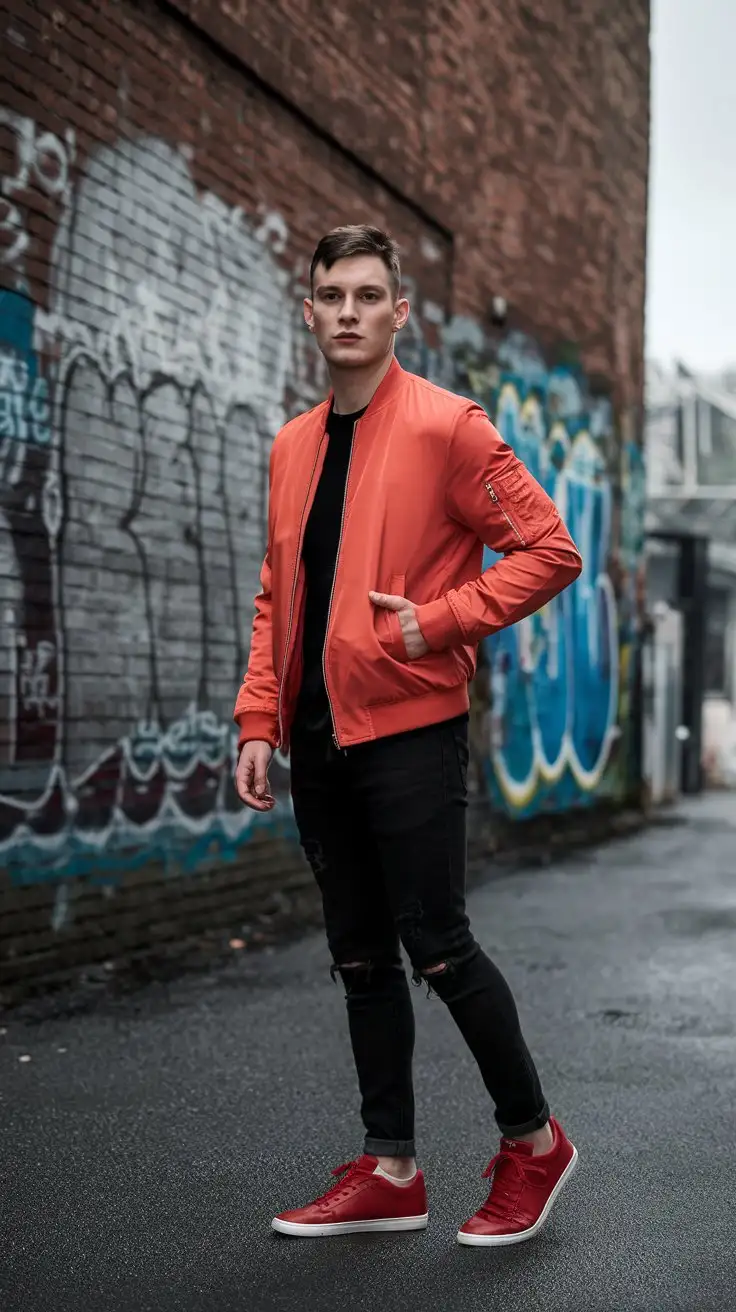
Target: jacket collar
x=389, y=385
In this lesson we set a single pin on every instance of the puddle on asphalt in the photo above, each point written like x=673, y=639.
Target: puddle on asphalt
x=693, y=922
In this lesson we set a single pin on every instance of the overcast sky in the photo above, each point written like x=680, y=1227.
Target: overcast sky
x=691, y=306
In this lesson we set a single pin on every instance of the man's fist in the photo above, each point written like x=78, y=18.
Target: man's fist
x=413, y=637
x=251, y=776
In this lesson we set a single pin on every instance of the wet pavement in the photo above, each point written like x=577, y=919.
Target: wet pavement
x=146, y=1145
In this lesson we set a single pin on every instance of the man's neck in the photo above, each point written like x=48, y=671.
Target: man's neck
x=355, y=388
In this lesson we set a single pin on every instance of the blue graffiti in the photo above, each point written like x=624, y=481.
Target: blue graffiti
x=170, y=845
x=28, y=501
x=555, y=677
x=24, y=392
x=167, y=797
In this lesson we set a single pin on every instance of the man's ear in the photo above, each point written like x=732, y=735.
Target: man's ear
x=309, y=314
x=401, y=313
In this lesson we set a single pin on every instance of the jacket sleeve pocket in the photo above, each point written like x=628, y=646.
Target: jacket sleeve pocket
x=490, y=491
x=524, y=503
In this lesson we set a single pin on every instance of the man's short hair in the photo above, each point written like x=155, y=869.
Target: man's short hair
x=358, y=239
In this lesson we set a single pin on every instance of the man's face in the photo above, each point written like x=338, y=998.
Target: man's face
x=353, y=313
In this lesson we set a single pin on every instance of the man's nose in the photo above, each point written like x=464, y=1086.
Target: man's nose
x=349, y=309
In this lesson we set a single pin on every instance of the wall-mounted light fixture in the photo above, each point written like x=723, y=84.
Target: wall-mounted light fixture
x=499, y=311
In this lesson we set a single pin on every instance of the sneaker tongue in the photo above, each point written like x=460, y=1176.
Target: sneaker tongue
x=516, y=1146
x=366, y=1163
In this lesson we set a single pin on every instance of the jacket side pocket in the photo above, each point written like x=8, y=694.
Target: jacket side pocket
x=390, y=631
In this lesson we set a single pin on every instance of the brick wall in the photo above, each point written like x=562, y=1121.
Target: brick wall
x=522, y=128
x=165, y=171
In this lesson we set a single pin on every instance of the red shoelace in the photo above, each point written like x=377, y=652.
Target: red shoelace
x=346, y=1171
x=501, y=1195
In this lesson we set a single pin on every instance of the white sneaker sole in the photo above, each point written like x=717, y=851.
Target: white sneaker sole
x=497, y=1241
x=349, y=1227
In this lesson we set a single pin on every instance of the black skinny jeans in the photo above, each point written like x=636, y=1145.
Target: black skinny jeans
x=383, y=826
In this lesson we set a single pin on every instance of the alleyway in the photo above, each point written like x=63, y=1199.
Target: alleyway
x=146, y=1146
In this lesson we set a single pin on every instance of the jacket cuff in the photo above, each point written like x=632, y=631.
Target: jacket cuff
x=257, y=726
x=439, y=625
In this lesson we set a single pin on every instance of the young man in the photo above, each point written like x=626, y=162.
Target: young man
x=371, y=607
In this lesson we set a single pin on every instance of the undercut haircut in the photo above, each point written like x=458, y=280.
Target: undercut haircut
x=358, y=239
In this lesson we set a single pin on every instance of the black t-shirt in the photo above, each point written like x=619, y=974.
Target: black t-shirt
x=319, y=553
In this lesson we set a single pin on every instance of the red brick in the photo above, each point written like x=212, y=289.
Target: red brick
x=512, y=138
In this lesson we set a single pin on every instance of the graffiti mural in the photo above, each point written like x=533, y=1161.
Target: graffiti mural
x=29, y=491
x=138, y=404
x=556, y=675
x=28, y=518
x=171, y=369
x=551, y=694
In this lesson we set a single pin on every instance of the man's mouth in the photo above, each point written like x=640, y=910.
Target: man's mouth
x=347, y=337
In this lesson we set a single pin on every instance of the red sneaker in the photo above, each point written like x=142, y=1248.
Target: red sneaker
x=523, y=1189
x=360, y=1200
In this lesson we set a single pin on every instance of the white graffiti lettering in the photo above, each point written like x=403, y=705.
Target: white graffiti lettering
x=35, y=684
x=43, y=161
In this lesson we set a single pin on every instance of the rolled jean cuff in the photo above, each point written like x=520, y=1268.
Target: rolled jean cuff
x=390, y=1147
x=537, y=1122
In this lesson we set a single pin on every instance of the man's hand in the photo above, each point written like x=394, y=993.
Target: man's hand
x=413, y=639
x=251, y=776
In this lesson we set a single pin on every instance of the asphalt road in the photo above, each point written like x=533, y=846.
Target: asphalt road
x=147, y=1145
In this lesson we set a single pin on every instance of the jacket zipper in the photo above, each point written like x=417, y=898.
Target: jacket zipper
x=289, y=626
x=332, y=590
x=507, y=517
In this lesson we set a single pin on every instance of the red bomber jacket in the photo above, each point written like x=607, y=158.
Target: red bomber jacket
x=430, y=481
